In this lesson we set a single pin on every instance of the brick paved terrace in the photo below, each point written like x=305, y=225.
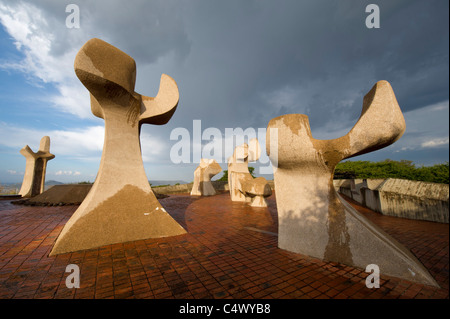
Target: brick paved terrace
x=230, y=251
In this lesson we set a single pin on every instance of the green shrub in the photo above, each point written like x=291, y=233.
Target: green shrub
x=403, y=169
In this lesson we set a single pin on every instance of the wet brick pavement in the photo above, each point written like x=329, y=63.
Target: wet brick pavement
x=230, y=251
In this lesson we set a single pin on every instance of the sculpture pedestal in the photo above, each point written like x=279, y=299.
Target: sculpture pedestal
x=131, y=214
x=120, y=206
x=317, y=222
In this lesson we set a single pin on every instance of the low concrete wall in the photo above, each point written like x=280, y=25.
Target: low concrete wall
x=400, y=198
x=173, y=189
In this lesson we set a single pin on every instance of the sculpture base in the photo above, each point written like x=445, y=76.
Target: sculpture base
x=203, y=189
x=130, y=214
x=350, y=238
x=258, y=201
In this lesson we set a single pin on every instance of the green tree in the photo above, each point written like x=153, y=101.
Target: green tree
x=224, y=177
x=403, y=169
x=251, y=170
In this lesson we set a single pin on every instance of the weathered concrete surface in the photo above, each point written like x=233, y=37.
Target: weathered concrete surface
x=207, y=169
x=256, y=189
x=35, y=168
x=243, y=187
x=337, y=183
x=401, y=198
x=120, y=206
x=313, y=219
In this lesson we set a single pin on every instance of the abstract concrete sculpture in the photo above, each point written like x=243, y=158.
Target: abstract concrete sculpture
x=243, y=187
x=120, y=206
x=35, y=167
x=313, y=219
x=202, y=177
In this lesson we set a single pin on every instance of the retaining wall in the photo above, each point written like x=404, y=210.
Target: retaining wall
x=399, y=197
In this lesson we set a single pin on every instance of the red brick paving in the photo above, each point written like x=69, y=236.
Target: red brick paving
x=230, y=251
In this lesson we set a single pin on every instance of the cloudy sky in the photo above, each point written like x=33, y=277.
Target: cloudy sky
x=237, y=64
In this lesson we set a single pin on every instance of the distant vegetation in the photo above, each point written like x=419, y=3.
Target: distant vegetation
x=159, y=185
x=403, y=169
x=52, y=183
x=10, y=189
x=164, y=185
x=224, y=176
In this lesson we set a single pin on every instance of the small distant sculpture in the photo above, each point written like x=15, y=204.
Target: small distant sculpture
x=121, y=205
x=243, y=187
x=36, y=166
x=313, y=219
x=202, y=177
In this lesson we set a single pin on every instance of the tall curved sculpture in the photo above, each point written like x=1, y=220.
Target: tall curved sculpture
x=120, y=206
x=35, y=168
x=313, y=219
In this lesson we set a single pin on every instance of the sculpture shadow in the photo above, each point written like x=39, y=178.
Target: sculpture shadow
x=177, y=208
x=319, y=235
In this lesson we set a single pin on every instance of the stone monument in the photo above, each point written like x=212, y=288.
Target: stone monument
x=35, y=166
x=243, y=187
x=202, y=177
x=313, y=219
x=120, y=206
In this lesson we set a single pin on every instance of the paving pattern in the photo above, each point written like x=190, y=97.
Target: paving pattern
x=230, y=251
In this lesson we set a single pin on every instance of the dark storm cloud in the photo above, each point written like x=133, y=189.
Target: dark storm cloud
x=241, y=63
x=242, y=55
x=230, y=58
x=146, y=30
x=254, y=60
